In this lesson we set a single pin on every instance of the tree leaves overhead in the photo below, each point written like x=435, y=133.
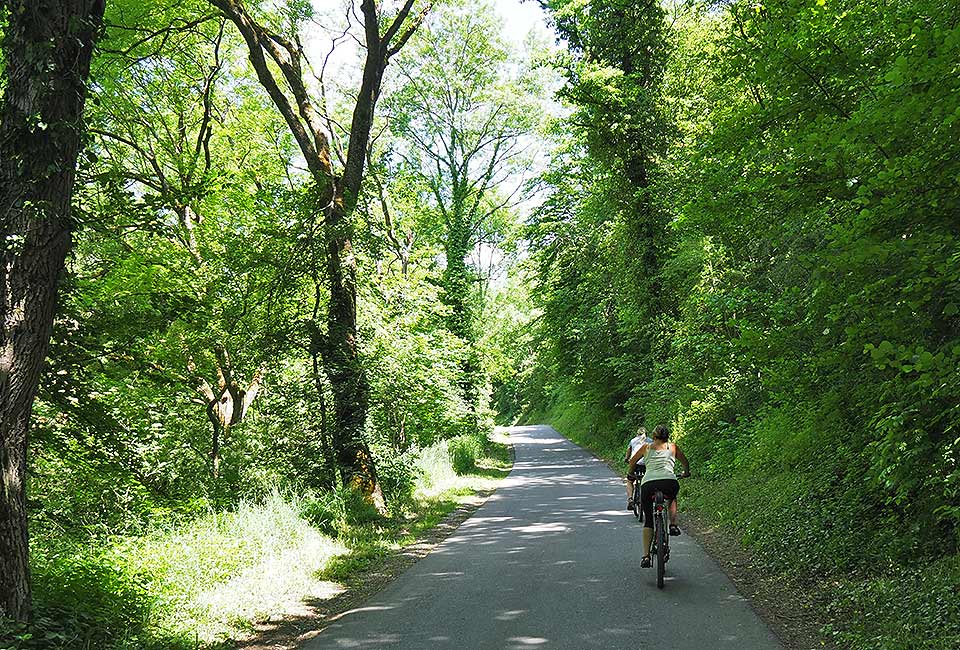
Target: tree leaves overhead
x=756, y=225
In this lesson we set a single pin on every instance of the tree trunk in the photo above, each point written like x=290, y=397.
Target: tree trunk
x=215, y=448
x=336, y=199
x=456, y=280
x=329, y=468
x=47, y=46
x=227, y=405
x=351, y=390
x=456, y=296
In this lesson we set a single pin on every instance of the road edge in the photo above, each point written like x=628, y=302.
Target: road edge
x=290, y=633
x=780, y=606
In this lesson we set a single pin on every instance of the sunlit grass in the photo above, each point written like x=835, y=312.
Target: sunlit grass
x=439, y=491
x=202, y=583
x=211, y=578
x=222, y=573
x=439, y=478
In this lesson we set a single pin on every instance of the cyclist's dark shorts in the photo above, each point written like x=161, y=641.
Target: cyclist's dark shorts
x=638, y=472
x=670, y=488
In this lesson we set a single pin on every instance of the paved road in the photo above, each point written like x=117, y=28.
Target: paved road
x=552, y=561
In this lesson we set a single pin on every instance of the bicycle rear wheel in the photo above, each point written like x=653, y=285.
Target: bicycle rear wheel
x=637, y=506
x=660, y=538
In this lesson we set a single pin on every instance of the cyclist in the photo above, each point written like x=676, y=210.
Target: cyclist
x=660, y=458
x=635, y=468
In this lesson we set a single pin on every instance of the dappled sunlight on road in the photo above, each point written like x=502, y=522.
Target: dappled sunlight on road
x=550, y=561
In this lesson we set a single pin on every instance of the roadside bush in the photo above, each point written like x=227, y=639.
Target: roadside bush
x=180, y=586
x=464, y=451
x=398, y=473
x=83, y=600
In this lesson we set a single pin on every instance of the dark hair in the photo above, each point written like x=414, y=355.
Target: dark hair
x=661, y=433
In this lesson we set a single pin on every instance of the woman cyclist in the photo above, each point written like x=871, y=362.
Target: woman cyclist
x=660, y=458
x=635, y=468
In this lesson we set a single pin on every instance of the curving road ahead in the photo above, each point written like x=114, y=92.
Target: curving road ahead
x=552, y=561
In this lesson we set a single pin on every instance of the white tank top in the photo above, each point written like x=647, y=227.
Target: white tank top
x=660, y=464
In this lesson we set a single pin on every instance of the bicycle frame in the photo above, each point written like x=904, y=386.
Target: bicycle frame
x=637, y=504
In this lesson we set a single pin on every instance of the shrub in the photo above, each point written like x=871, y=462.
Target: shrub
x=464, y=451
x=83, y=599
x=398, y=472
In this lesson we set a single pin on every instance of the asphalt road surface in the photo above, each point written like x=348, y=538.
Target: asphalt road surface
x=551, y=561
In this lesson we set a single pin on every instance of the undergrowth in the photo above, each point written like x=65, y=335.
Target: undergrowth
x=201, y=583
x=880, y=592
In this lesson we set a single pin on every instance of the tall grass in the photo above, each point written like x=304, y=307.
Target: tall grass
x=206, y=581
x=210, y=578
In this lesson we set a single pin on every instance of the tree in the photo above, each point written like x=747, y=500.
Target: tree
x=602, y=235
x=47, y=50
x=462, y=115
x=156, y=120
x=335, y=197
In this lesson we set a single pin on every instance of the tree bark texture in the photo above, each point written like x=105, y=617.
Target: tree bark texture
x=48, y=45
x=457, y=283
x=456, y=277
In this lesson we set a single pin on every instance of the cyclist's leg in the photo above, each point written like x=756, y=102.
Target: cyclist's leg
x=646, y=500
x=671, y=490
x=631, y=477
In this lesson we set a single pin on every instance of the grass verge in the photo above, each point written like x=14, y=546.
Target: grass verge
x=209, y=582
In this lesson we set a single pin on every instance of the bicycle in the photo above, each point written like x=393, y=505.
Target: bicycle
x=637, y=504
x=661, y=534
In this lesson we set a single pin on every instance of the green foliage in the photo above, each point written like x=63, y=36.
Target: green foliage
x=461, y=109
x=416, y=364
x=84, y=600
x=828, y=539
x=206, y=579
x=899, y=611
x=3, y=58
x=199, y=269
x=753, y=237
x=177, y=585
x=464, y=451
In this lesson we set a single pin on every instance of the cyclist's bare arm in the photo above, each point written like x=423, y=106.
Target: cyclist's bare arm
x=683, y=461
